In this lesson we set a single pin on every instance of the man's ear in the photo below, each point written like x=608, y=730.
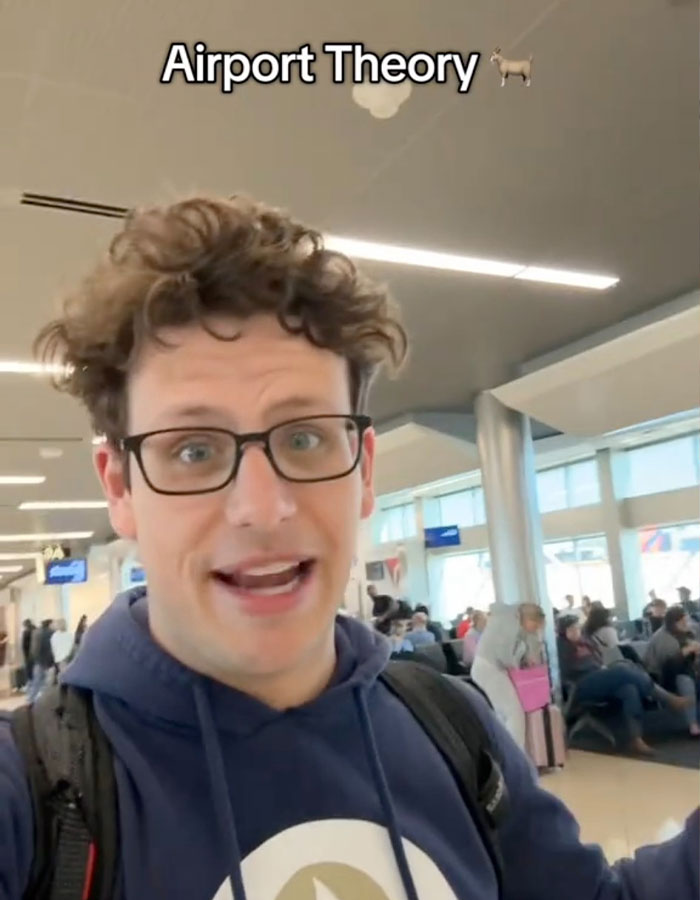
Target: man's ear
x=110, y=465
x=369, y=445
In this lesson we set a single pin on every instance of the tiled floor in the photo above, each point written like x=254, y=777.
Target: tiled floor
x=620, y=803
x=623, y=804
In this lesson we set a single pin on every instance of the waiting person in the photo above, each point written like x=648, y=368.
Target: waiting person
x=28, y=628
x=61, y=645
x=569, y=602
x=582, y=670
x=512, y=640
x=655, y=614
x=42, y=655
x=599, y=628
x=471, y=641
x=249, y=725
x=398, y=636
x=434, y=627
x=673, y=657
x=419, y=635
x=466, y=623
x=79, y=634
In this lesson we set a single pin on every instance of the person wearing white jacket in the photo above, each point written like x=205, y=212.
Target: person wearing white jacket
x=512, y=640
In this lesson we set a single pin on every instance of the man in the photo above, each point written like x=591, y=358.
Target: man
x=434, y=628
x=26, y=644
x=61, y=645
x=419, y=635
x=655, y=614
x=672, y=658
x=43, y=661
x=226, y=357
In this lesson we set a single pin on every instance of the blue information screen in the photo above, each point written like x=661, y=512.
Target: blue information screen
x=137, y=575
x=444, y=536
x=66, y=571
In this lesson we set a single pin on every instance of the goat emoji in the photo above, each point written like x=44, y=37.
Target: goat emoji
x=521, y=67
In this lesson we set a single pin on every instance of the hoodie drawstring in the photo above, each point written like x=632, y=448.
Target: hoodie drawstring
x=219, y=789
x=222, y=804
x=384, y=794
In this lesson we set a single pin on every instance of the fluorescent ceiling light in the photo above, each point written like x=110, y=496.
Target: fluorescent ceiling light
x=563, y=276
x=9, y=569
x=99, y=439
x=17, y=367
x=47, y=536
x=64, y=504
x=413, y=256
x=22, y=479
x=10, y=556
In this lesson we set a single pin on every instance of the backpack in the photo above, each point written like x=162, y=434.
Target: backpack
x=74, y=795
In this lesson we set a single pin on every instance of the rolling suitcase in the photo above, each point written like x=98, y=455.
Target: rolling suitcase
x=544, y=737
x=18, y=678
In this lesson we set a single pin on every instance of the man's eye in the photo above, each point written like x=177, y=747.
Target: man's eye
x=304, y=440
x=194, y=453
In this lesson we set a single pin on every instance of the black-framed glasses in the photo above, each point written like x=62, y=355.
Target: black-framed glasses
x=191, y=460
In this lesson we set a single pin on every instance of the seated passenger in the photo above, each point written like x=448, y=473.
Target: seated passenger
x=582, y=669
x=598, y=628
x=419, y=635
x=672, y=657
x=466, y=623
x=433, y=627
x=471, y=641
x=654, y=613
x=398, y=638
x=512, y=640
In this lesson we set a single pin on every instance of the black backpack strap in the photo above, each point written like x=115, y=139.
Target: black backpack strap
x=69, y=768
x=451, y=721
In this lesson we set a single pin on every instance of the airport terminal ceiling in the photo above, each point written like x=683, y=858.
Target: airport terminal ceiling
x=592, y=168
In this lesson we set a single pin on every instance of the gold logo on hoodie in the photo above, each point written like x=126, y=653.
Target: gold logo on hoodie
x=331, y=881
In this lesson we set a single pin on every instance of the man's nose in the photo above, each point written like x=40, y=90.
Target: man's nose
x=258, y=496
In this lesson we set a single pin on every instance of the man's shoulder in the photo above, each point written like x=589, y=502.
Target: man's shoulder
x=16, y=817
x=11, y=763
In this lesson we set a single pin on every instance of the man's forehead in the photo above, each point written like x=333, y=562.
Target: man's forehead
x=229, y=340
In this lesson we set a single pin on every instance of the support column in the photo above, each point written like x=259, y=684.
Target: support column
x=515, y=533
x=623, y=544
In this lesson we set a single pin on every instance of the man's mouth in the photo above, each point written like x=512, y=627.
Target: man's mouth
x=267, y=580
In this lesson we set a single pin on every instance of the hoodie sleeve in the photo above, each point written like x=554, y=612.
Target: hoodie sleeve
x=546, y=860
x=16, y=820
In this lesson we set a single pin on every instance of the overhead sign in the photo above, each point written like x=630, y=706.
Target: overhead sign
x=66, y=571
x=444, y=536
x=137, y=575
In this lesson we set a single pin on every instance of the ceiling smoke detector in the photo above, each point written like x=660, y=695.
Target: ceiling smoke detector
x=382, y=100
x=50, y=452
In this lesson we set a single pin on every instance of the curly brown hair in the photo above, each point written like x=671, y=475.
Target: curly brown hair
x=202, y=258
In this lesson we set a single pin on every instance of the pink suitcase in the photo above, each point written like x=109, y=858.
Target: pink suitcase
x=544, y=737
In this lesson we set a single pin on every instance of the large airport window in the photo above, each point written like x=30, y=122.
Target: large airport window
x=662, y=467
x=395, y=523
x=551, y=489
x=580, y=567
x=463, y=508
x=458, y=581
x=671, y=559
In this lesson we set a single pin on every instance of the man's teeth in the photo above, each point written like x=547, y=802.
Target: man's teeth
x=271, y=569
x=278, y=589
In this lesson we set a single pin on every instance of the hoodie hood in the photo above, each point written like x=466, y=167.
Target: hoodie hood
x=154, y=683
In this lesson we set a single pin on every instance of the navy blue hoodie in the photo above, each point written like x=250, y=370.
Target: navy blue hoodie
x=339, y=799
